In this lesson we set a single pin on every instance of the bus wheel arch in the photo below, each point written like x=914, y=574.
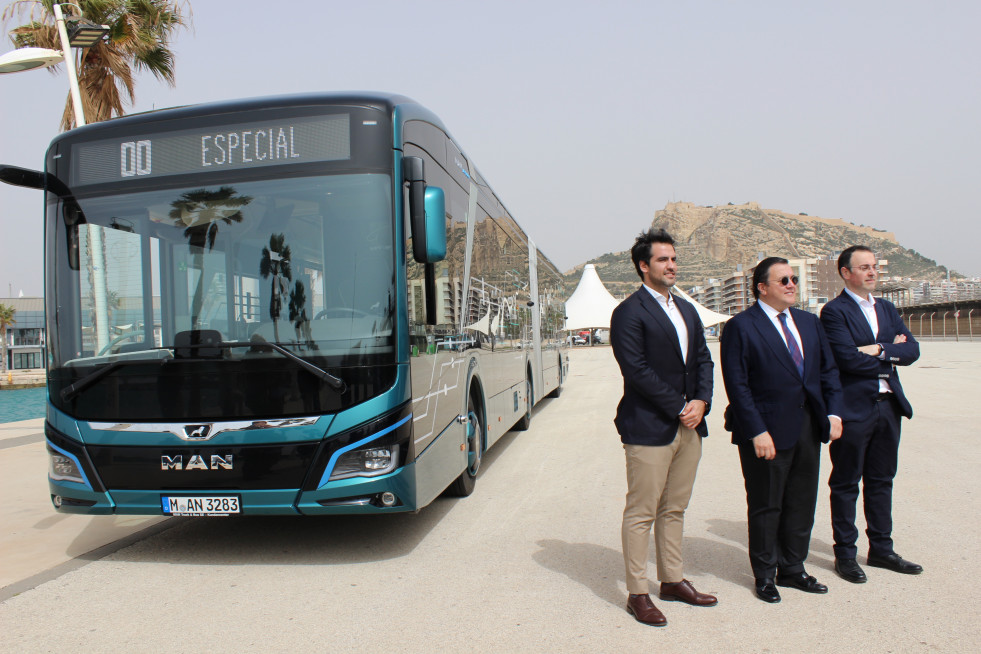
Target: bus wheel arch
x=557, y=391
x=476, y=440
x=525, y=422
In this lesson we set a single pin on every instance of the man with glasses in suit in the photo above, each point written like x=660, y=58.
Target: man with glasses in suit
x=869, y=339
x=784, y=401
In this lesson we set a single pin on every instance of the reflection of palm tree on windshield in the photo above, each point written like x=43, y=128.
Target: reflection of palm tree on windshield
x=276, y=262
x=298, y=313
x=200, y=212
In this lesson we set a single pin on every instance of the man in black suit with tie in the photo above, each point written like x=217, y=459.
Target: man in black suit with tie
x=869, y=339
x=659, y=343
x=784, y=400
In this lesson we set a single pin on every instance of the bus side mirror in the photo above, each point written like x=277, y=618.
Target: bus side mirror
x=435, y=224
x=427, y=213
x=25, y=177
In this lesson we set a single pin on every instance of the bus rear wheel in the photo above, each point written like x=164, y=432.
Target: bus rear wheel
x=464, y=484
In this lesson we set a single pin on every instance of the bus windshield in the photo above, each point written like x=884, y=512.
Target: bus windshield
x=171, y=292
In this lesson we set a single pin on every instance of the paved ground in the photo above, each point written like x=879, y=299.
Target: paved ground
x=530, y=562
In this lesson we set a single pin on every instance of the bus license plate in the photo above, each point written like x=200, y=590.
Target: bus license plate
x=200, y=505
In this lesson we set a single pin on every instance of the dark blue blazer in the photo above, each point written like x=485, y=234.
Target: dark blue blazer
x=766, y=393
x=847, y=329
x=657, y=382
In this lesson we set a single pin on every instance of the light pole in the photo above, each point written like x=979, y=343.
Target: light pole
x=66, y=51
x=82, y=34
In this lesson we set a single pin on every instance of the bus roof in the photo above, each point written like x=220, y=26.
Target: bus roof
x=404, y=107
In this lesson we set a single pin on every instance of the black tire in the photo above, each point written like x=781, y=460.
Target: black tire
x=465, y=483
x=525, y=422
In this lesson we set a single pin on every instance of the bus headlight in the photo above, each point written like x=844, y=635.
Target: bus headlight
x=63, y=468
x=371, y=449
x=367, y=462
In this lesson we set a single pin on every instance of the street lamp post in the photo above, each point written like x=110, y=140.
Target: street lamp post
x=83, y=34
x=76, y=93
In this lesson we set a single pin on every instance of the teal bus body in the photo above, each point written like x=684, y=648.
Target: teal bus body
x=242, y=321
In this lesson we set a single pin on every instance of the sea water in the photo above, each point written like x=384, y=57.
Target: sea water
x=22, y=404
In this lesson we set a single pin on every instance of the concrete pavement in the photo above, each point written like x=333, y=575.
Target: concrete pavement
x=36, y=542
x=530, y=562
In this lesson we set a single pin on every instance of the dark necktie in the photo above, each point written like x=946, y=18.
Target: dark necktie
x=792, y=344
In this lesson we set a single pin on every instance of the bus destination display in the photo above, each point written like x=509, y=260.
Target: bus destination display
x=213, y=149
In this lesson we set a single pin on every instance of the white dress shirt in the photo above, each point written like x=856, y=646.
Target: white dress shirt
x=670, y=308
x=868, y=309
x=772, y=314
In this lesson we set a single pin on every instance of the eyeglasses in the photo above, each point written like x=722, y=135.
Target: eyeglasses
x=865, y=267
x=785, y=281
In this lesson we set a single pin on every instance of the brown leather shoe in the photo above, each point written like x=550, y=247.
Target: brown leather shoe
x=643, y=609
x=683, y=591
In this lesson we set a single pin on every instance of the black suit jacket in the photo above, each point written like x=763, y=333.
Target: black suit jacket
x=766, y=393
x=847, y=328
x=657, y=382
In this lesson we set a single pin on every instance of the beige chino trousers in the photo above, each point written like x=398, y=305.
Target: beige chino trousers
x=660, y=479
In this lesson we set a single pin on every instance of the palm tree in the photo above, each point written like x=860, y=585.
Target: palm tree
x=298, y=313
x=6, y=319
x=138, y=41
x=200, y=212
x=276, y=262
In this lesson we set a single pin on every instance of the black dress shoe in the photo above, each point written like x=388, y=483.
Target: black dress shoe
x=895, y=563
x=801, y=581
x=850, y=570
x=766, y=591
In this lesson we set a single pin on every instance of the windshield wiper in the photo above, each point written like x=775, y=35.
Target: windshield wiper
x=258, y=341
x=70, y=391
x=207, y=344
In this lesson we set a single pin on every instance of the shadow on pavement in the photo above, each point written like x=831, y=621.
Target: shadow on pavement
x=292, y=540
x=598, y=568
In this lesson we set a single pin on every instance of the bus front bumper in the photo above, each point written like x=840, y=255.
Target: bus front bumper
x=395, y=492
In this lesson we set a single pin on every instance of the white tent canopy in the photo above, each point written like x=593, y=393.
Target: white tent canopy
x=591, y=305
x=707, y=316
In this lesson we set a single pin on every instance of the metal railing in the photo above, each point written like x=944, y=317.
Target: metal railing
x=948, y=325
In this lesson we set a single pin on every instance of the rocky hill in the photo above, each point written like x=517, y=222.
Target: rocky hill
x=712, y=241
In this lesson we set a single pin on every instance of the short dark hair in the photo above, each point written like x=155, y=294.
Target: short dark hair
x=762, y=273
x=845, y=259
x=641, y=251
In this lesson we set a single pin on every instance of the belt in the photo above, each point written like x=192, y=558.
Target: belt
x=883, y=397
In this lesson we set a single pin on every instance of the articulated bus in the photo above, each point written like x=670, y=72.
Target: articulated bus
x=308, y=305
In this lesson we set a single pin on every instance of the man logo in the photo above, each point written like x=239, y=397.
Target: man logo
x=196, y=462
x=197, y=432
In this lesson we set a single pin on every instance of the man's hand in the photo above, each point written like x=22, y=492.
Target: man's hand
x=871, y=350
x=900, y=338
x=835, y=427
x=693, y=413
x=765, y=449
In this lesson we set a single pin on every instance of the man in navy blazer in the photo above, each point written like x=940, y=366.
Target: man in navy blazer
x=869, y=339
x=784, y=400
x=659, y=343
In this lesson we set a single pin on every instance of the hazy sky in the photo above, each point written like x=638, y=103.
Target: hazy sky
x=587, y=117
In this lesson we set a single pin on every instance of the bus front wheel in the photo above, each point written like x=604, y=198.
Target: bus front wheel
x=464, y=484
